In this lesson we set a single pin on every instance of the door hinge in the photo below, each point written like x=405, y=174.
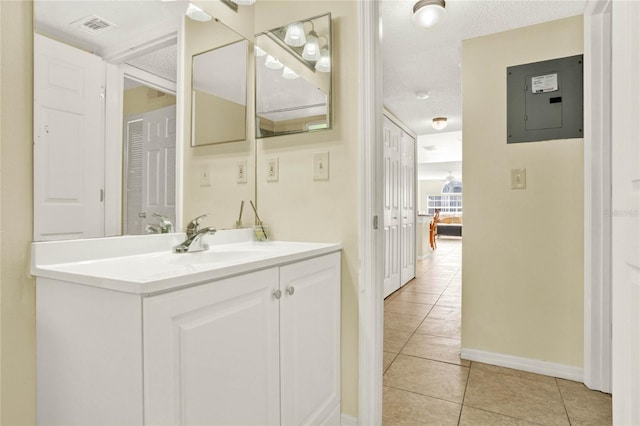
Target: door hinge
x=375, y=222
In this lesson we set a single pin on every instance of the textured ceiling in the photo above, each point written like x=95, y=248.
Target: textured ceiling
x=417, y=59
x=161, y=62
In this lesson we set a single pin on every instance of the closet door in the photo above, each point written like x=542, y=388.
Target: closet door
x=408, y=210
x=391, y=223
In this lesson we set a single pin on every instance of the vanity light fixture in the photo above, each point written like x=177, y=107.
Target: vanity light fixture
x=324, y=63
x=427, y=13
x=289, y=74
x=272, y=63
x=311, y=51
x=439, y=123
x=244, y=2
x=295, y=35
x=259, y=52
x=197, y=14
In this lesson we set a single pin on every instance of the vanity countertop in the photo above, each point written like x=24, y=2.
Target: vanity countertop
x=146, y=272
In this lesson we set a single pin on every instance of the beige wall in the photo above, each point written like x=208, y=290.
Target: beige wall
x=523, y=249
x=142, y=99
x=297, y=207
x=209, y=111
x=222, y=198
x=17, y=290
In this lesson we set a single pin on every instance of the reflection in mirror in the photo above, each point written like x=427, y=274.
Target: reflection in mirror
x=293, y=78
x=95, y=132
x=219, y=96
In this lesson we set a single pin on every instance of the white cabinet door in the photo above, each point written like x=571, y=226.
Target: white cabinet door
x=211, y=353
x=310, y=341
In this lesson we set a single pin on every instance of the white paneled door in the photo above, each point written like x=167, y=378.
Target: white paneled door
x=391, y=221
x=408, y=210
x=626, y=212
x=150, y=165
x=68, y=142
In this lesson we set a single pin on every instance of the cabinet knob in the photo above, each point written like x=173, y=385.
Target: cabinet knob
x=291, y=290
x=277, y=294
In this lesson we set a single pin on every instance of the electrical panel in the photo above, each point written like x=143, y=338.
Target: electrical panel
x=545, y=100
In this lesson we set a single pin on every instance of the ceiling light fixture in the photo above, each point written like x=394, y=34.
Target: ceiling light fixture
x=422, y=95
x=295, y=36
x=439, y=123
x=427, y=13
x=197, y=14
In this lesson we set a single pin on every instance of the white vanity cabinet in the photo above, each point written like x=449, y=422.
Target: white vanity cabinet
x=260, y=347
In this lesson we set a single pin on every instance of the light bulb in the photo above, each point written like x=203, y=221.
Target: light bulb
x=324, y=63
x=295, y=35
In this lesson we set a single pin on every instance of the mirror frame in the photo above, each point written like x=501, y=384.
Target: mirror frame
x=329, y=114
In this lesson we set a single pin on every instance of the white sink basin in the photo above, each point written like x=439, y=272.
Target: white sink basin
x=142, y=271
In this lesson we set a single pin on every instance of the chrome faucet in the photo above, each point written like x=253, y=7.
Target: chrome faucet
x=194, y=242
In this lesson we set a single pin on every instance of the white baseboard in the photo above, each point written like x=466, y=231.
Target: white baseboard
x=525, y=364
x=348, y=420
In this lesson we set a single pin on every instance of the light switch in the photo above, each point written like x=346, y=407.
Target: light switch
x=272, y=170
x=242, y=172
x=518, y=178
x=321, y=166
x=205, y=176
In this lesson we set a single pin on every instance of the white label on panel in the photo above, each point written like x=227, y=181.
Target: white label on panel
x=544, y=83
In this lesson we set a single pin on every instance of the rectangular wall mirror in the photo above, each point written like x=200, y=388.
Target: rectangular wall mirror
x=219, y=95
x=293, y=78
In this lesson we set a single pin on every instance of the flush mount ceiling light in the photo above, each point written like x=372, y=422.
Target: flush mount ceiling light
x=197, y=14
x=439, y=123
x=426, y=13
x=422, y=95
x=272, y=63
x=295, y=35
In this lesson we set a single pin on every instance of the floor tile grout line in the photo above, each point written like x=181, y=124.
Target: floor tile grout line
x=464, y=394
x=501, y=414
x=566, y=411
x=422, y=394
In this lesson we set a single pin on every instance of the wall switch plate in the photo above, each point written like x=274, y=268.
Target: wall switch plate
x=241, y=176
x=272, y=170
x=321, y=166
x=205, y=176
x=518, y=178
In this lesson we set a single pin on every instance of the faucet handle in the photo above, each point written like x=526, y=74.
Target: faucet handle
x=193, y=226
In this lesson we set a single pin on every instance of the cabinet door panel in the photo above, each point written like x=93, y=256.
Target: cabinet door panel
x=310, y=341
x=211, y=353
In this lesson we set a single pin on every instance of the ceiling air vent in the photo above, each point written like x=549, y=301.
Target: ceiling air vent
x=94, y=24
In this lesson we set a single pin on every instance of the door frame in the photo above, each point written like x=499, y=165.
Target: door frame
x=597, y=371
x=116, y=71
x=597, y=308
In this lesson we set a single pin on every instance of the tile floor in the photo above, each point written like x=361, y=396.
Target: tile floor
x=426, y=382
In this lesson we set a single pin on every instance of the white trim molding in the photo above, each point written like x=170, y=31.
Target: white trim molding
x=347, y=420
x=525, y=364
x=597, y=196
x=370, y=290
